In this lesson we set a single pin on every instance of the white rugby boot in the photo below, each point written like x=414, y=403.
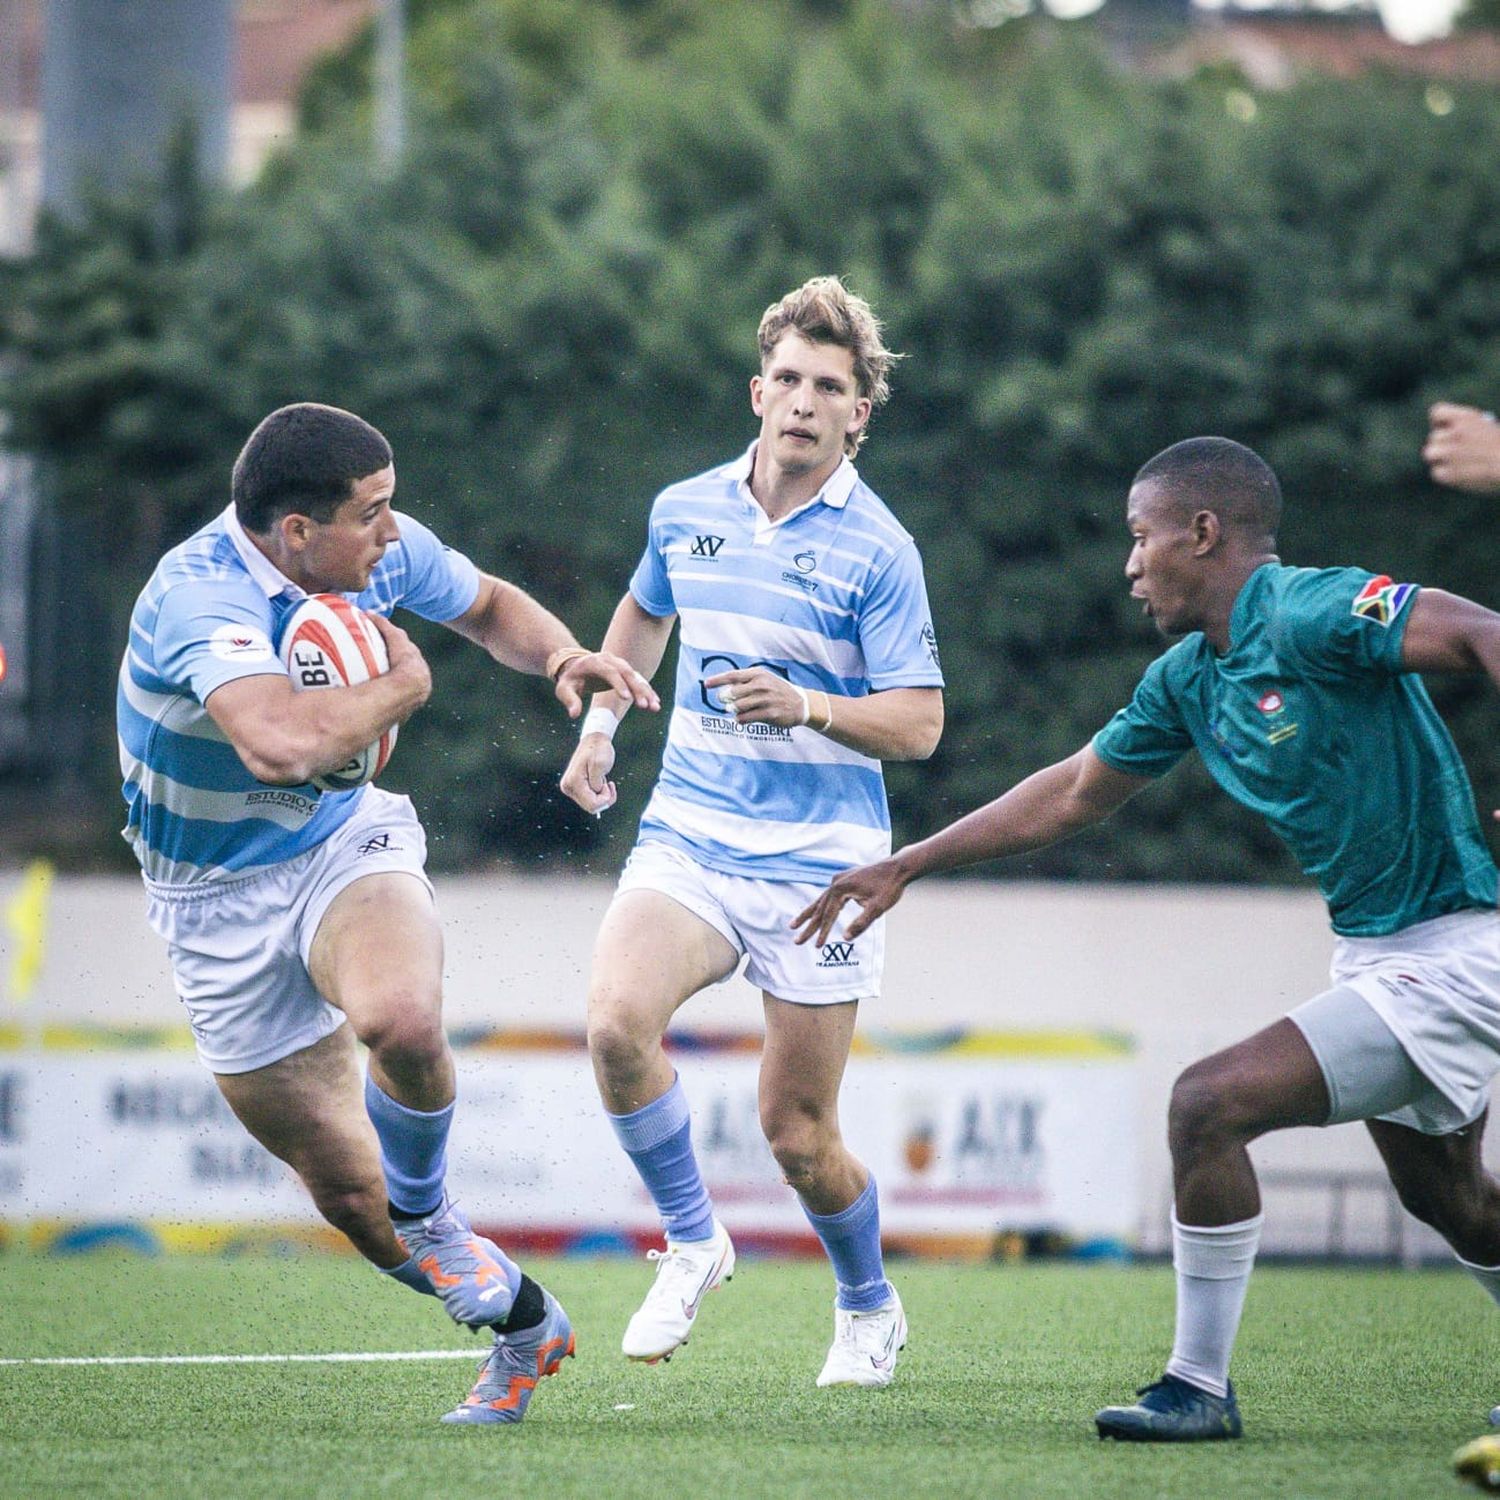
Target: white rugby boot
x=865, y=1345
x=685, y=1271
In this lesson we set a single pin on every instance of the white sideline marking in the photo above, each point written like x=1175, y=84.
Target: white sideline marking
x=254, y=1359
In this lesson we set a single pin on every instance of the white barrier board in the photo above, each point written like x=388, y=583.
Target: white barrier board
x=959, y=1140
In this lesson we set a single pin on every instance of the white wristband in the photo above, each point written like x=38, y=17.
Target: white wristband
x=806, y=702
x=600, y=721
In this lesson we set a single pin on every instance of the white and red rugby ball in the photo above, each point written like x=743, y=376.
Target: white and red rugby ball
x=329, y=643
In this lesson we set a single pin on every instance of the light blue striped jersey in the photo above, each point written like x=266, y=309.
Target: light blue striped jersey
x=831, y=597
x=210, y=614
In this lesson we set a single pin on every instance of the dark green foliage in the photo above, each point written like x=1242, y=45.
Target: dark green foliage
x=551, y=310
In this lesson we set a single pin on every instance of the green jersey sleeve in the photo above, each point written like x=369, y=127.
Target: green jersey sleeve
x=1341, y=622
x=1149, y=735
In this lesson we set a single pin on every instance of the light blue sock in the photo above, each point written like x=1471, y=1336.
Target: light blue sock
x=659, y=1140
x=852, y=1240
x=413, y=1149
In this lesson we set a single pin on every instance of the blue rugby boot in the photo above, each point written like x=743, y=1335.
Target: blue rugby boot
x=1172, y=1411
x=475, y=1279
x=514, y=1366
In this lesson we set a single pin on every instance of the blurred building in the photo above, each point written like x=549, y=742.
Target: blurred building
x=273, y=44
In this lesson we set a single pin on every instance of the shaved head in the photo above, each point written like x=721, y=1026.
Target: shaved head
x=1217, y=474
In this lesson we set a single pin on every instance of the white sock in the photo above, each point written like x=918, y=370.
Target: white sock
x=1487, y=1276
x=1213, y=1271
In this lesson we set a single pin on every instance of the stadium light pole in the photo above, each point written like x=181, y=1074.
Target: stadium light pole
x=390, y=99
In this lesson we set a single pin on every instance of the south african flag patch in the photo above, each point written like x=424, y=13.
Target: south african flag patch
x=1381, y=600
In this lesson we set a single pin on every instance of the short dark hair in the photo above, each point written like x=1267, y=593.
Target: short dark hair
x=303, y=459
x=1218, y=474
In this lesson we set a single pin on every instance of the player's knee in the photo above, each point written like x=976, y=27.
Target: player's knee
x=1466, y=1214
x=353, y=1208
x=800, y=1143
x=618, y=1047
x=1417, y=1197
x=1204, y=1109
x=406, y=1035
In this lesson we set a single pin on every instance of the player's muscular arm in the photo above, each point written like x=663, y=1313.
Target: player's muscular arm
x=285, y=737
x=1064, y=798
x=896, y=724
x=519, y=633
x=639, y=639
x=1447, y=633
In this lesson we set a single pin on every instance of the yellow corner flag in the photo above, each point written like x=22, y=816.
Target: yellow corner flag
x=26, y=922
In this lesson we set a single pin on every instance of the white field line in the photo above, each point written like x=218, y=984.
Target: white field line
x=257, y=1359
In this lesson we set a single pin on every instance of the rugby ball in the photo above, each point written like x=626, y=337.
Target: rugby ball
x=328, y=643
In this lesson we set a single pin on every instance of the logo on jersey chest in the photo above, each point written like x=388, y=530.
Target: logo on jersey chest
x=1278, y=727
x=706, y=546
x=804, y=562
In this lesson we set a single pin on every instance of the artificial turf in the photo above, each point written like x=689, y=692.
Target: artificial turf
x=1356, y=1383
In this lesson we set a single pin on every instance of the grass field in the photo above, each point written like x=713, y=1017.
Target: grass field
x=1353, y=1383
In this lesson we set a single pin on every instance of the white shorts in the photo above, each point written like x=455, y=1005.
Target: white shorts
x=756, y=916
x=1435, y=989
x=240, y=948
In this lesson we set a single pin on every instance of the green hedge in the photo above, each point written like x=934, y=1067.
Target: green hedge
x=551, y=310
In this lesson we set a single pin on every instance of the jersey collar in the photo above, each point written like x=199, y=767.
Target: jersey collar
x=273, y=583
x=835, y=492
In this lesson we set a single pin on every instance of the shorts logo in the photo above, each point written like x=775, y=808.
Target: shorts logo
x=379, y=844
x=1381, y=600
x=240, y=643
x=707, y=546
x=838, y=956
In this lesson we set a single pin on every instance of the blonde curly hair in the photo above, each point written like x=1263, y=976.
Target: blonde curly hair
x=825, y=311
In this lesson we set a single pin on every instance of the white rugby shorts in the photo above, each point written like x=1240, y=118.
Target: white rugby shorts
x=1435, y=988
x=240, y=948
x=755, y=916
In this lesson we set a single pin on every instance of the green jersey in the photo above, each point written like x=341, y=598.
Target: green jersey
x=1309, y=720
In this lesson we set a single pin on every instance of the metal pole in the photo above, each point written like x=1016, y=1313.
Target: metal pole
x=390, y=103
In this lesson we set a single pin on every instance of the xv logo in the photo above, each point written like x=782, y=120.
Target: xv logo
x=837, y=956
x=707, y=546
x=377, y=845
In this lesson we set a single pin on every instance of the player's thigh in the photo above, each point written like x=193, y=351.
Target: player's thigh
x=651, y=955
x=379, y=946
x=308, y=1110
x=1269, y=1081
x=1428, y=1171
x=802, y=1063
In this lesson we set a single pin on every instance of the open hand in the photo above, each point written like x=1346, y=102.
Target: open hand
x=602, y=672
x=875, y=888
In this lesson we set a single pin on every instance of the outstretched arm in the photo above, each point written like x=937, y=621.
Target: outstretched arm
x=641, y=640
x=518, y=632
x=1047, y=806
x=1463, y=448
x=1447, y=633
